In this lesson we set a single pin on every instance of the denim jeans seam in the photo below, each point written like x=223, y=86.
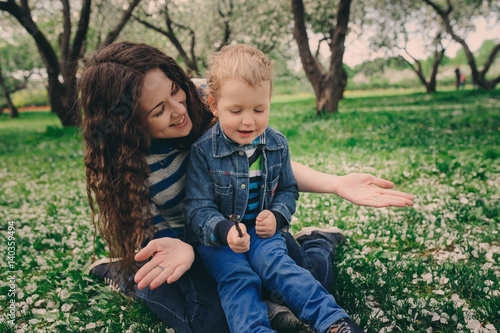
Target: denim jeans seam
x=148, y=301
x=164, y=307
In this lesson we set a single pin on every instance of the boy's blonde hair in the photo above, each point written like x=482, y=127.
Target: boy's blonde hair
x=241, y=62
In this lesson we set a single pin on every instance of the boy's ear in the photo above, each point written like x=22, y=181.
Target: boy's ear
x=213, y=105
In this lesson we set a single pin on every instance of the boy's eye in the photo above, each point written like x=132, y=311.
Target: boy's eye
x=235, y=111
x=259, y=110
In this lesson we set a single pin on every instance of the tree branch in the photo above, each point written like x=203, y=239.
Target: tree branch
x=227, y=28
x=23, y=84
x=23, y=16
x=151, y=26
x=190, y=63
x=436, y=7
x=319, y=45
x=340, y=32
x=65, y=36
x=311, y=66
x=81, y=31
x=125, y=17
x=490, y=60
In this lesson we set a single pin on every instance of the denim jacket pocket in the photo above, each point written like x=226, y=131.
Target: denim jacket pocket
x=271, y=187
x=224, y=198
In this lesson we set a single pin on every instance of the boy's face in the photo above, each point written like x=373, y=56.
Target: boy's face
x=243, y=110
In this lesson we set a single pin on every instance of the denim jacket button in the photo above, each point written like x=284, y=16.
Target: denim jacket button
x=242, y=153
x=238, y=217
x=262, y=186
x=243, y=186
x=283, y=229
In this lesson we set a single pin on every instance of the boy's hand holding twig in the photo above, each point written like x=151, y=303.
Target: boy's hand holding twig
x=236, y=243
x=265, y=224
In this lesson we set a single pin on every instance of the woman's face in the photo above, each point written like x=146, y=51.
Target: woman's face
x=163, y=106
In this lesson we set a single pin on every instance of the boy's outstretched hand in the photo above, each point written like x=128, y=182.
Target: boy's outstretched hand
x=265, y=224
x=236, y=243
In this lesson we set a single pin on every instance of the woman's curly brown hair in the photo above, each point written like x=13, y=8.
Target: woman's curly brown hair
x=117, y=144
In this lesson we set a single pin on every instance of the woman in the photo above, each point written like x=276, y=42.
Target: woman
x=141, y=114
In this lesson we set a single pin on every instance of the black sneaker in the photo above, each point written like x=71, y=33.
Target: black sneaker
x=344, y=325
x=284, y=321
x=107, y=272
x=333, y=235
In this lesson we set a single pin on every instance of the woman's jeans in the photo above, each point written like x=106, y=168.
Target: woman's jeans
x=241, y=276
x=192, y=303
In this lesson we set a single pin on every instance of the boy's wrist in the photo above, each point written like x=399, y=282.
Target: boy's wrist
x=281, y=221
x=221, y=230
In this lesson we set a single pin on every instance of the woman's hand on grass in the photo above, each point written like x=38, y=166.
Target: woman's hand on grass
x=171, y=258
x=359, y=189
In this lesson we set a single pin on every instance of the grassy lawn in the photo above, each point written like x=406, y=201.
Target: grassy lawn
x=434, y=267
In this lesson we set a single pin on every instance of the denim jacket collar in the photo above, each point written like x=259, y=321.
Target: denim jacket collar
x=223, y=147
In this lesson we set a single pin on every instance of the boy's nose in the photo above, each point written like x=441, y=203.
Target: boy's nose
x=247, y=120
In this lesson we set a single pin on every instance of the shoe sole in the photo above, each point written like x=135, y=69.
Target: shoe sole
x=102, y=261
x=309, y=230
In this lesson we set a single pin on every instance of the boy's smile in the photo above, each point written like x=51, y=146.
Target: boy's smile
x=243, y=110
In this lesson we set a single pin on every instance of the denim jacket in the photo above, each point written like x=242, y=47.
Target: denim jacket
x=217, y=182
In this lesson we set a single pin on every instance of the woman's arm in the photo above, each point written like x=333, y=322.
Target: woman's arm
x=357, y=188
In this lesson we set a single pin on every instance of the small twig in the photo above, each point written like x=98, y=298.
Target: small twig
x=236, y=224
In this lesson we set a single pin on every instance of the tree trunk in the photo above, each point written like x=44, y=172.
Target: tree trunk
x=478, y=77
x=430, y=86
x=328, y=86
x=63, y=96
x=14, y=113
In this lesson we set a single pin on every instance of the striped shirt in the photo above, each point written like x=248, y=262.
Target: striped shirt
x=166, y=183
x=255, y=175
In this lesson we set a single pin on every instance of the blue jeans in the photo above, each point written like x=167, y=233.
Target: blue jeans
x=316, y=256
x=241, y=276
x=191, y=304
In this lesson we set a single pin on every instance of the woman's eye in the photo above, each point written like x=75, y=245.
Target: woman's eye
x=259, y=110
x=162, y=109
x=235, y=111
x=175, y=89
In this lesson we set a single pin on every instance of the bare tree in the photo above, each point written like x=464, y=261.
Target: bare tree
x=188, y=56
x=225, y=9
x=62, y=93
x=328, y=85
x=416, y=65
x=174, y=31
x=8, y=91
x=478, y=76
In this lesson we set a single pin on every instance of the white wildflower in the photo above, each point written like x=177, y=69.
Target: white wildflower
x=473, y=324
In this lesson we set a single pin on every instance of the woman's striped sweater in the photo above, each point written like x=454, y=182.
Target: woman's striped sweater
x=166, y=188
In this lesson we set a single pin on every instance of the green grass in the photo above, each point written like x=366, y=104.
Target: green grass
x=433, y=267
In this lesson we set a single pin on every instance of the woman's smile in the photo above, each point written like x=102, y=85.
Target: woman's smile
x=181, y=122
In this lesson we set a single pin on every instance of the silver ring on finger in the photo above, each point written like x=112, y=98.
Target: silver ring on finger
x=160, y=267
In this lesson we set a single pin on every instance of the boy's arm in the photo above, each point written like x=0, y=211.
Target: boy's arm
x=202, y=212
x=286, y=193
